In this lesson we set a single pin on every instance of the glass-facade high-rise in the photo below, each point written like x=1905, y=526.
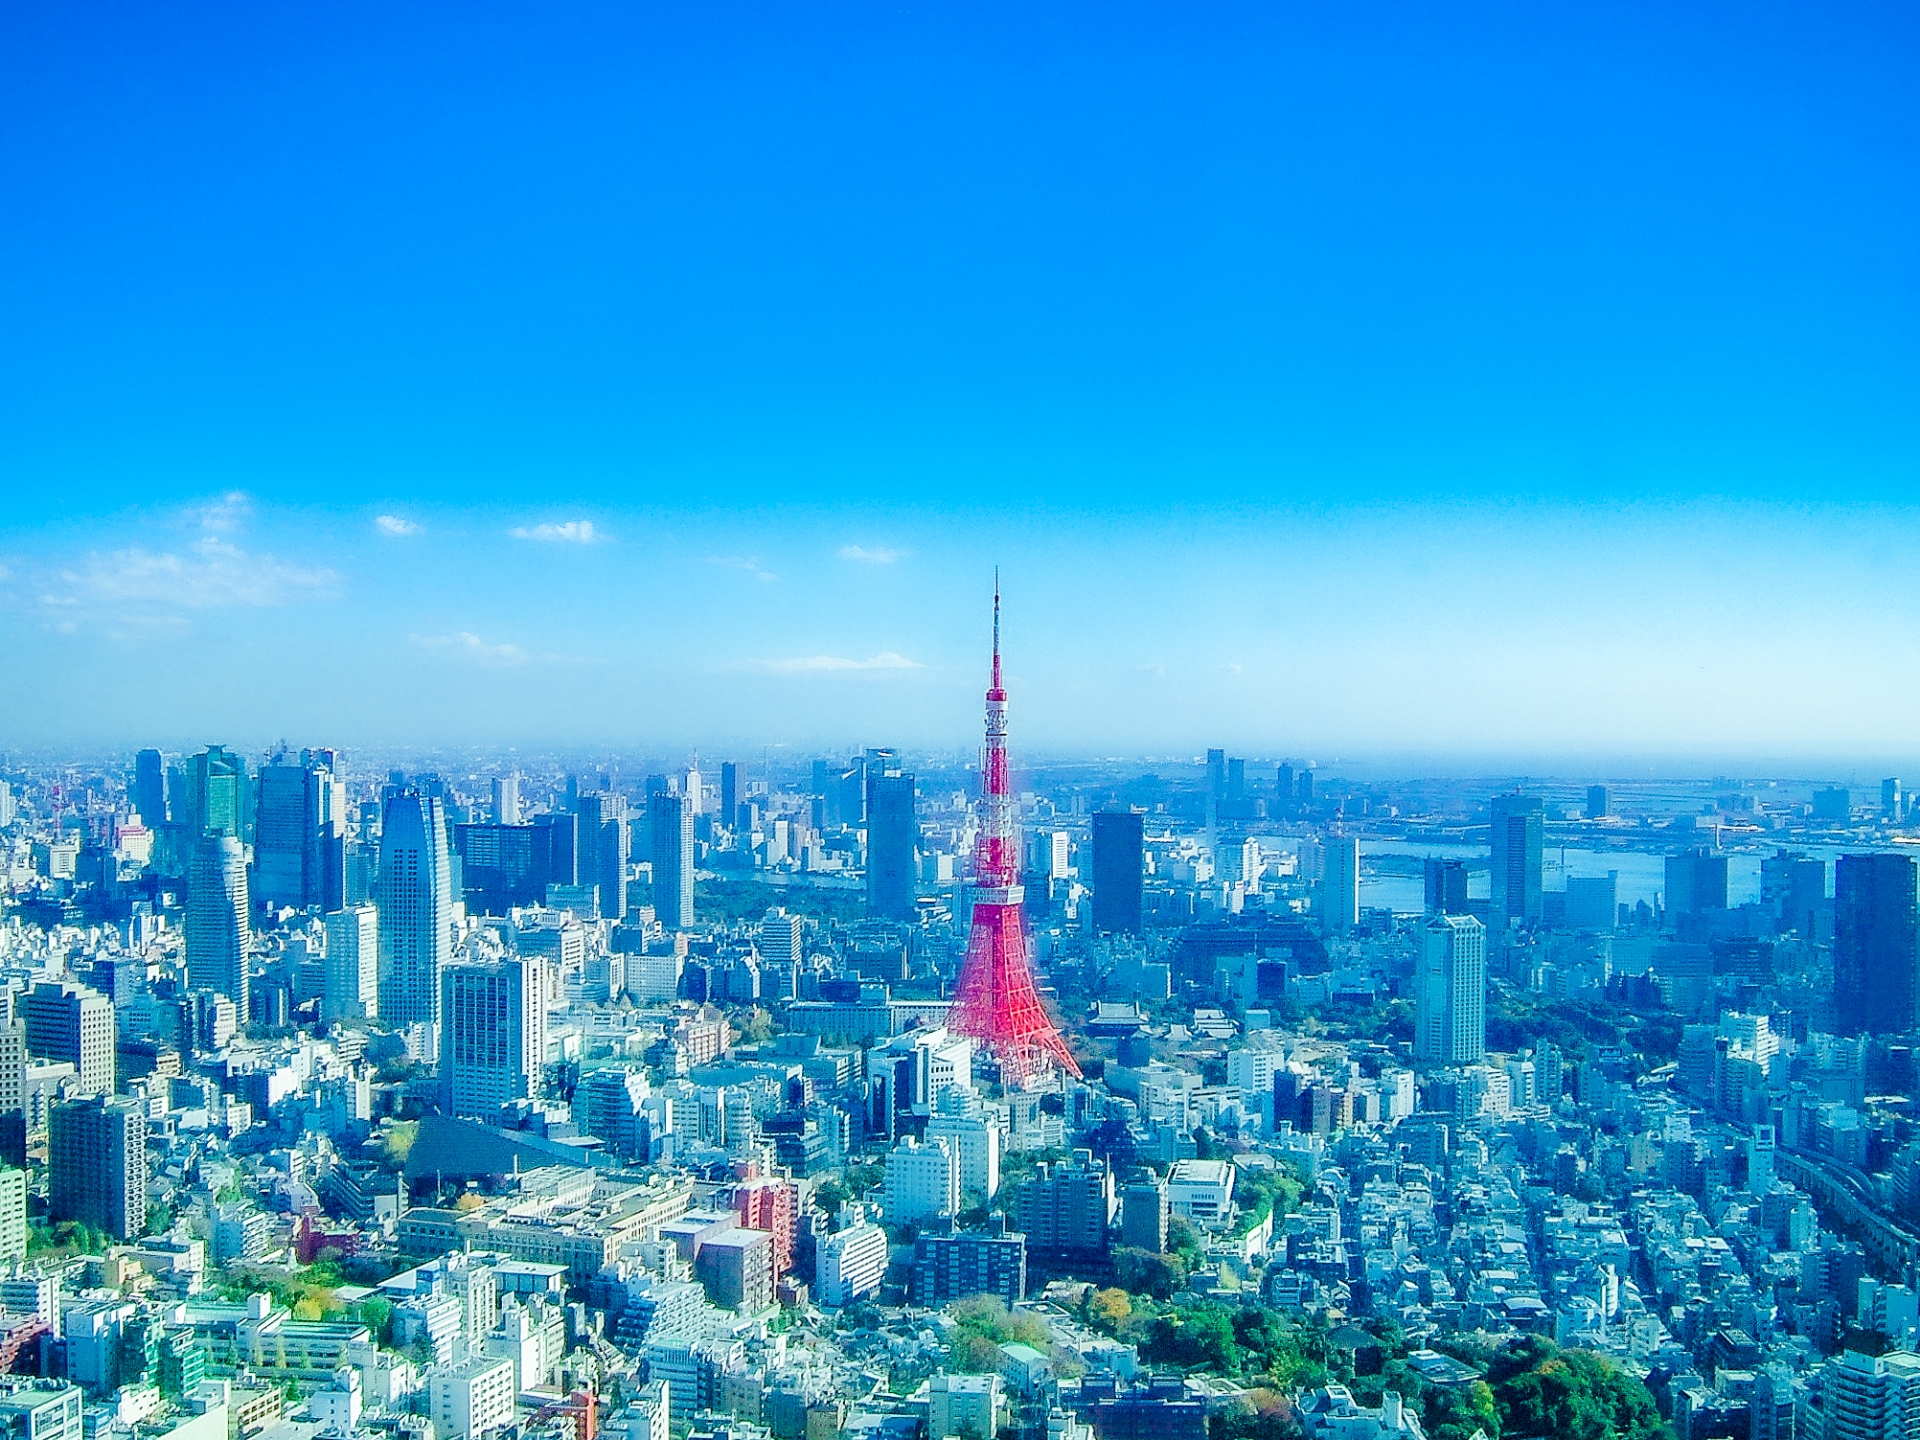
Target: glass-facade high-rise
x=1875, y=946
x=1119, y=863
x=150, y=788
x=216, y=781
x=1516, y=837
x=893, y=837
x=670, y=849
x=300, y=811
x=415, y=901
x=219, y=934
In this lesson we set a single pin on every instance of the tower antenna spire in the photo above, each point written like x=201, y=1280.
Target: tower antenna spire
x=996, y=627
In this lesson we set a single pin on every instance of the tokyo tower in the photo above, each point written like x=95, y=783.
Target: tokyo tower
x=996, y=1003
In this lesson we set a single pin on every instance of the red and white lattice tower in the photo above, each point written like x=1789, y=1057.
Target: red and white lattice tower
x=996, y=1003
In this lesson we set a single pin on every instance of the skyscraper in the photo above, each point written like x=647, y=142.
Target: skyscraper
x=97, y=1164
x=1217, y=774
x=1446, y=886
x=893, y=837
x=498, y=867
x=215, y=779
x=70, y=1023
x=1875, y=949
x=1119, y=861
x=1516, y=837
x=1340, y=889
x=729, y=793
x=604, y=836
x=1696, y=881
x=670, y=848
x=506, y=799
x=1450, y=992
x=150, y=788
x=351, y=987
x=493, y=1034
x=1599, y=803
x=297, y=803
x=219, y=935
x=416, y=908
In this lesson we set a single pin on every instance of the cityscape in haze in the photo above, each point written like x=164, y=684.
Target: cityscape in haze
x=936, y=723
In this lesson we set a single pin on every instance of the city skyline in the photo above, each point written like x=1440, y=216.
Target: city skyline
x=1452, y=388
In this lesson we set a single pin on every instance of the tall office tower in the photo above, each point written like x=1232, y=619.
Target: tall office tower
x=1446, y=886
x=1283, y=790
x=1517, y=835
x=506, y=799
x=150, y=788
x=1119, y=862
x=350, y=989
x=219, y=934
x=499, y=868
x=333, y=865
x=1875, y=947
x=416, y=908
x=729, y=792
x=216, y=778
x=1303, y=788
x=694, y=789
x=97, y=1164
x=1696, y=881
x=1891, y=807
x=670, y=847
x=297, y=802
x=1236, y=779
x=70, y=1023
x=1599, y=803
x=851, y=794
x=604, y=838
x=1217, y=774
x=1340, y=887
x=1450, y=992
x=556, y=849
x=493, y=1034
x=8, y=809
x=893, y=837
x=996, y=1001
x=1793, y=889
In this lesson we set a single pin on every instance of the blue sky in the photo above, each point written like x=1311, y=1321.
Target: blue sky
x=1495, y=380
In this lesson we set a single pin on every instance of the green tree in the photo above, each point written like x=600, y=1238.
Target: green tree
x=1142, y=1272
x=1457, y=1411
x=1541, y=1389
x=1195, y=1335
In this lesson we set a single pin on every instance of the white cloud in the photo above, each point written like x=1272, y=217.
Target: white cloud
x=813, y=664
x=395, y=525
x=572, y=532
x=212, y=574
x=469, y=645
x=877, y=555
x=738, y=562
x=227, y=513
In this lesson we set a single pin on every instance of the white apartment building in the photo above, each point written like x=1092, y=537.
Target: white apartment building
x=923, y=1181
x=853, y=1261
x=472, y=1397
x=961, y=1119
